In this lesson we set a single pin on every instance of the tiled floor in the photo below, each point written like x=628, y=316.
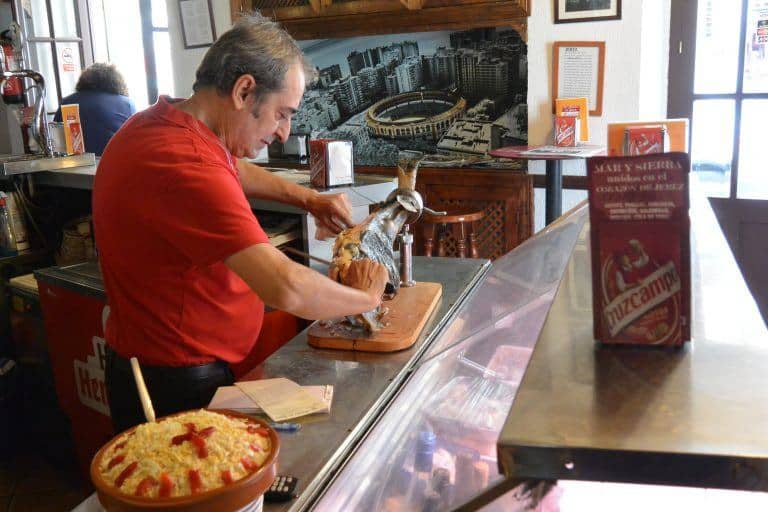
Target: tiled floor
x=30, y=483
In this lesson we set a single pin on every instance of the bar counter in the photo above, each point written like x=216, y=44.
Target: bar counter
x=693, y=416
x=579, y=411
x=363, y=382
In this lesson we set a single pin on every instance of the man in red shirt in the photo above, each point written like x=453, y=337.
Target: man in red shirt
x=187, y=268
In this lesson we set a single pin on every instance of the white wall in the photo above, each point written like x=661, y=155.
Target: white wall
x=654, y=59
x=185, y=62
x=635, y=84
x=625, y=74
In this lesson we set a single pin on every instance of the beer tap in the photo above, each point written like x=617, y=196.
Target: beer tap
x=39, y=123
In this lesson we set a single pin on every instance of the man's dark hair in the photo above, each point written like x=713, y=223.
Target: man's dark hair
x=102, y=77
x=255, y=46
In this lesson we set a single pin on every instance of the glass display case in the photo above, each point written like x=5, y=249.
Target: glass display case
x=434, y=446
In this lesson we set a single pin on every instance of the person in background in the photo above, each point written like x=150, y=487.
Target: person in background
x=104, y=105
x=187, y=268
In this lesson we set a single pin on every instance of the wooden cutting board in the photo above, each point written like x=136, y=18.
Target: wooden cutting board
x=408, y=313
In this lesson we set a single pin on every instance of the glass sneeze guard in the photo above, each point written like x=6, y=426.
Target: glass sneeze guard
x=435, y=446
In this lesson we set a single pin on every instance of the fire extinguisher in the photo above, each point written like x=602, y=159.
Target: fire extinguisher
x=12, y=90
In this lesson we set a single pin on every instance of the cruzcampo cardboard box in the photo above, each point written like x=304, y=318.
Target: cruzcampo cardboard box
x=640, y=242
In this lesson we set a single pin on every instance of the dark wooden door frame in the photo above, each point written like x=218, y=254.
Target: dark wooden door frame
x=682, y=58
x=743, y=222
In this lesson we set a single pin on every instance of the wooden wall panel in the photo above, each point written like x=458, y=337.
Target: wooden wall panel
x=318, y=19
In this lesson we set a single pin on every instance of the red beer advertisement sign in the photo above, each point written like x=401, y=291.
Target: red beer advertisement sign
x=640, y=235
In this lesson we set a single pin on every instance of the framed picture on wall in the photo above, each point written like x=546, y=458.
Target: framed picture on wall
x=454, y=95
x=570, y=11
x=578, y=71
x=197, y=23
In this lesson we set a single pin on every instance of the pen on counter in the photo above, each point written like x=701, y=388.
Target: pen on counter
x=286, y=427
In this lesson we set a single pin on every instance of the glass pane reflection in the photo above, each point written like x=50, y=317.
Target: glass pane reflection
x=159, y=14
x=70, y=66
x=64, y=21
x=123, y=23
x=756, y=47
x=42, y=60
x=752, y=181
x=98, y=31
x=163, y=63
x=36, y=18
x=717, y=46
x=712, y=145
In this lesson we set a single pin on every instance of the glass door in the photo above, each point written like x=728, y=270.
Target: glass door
x=55, y=46
x=134, y=37
x=730, y=97
x=752, y=180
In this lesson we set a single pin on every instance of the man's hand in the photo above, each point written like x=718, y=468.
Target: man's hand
x=367, y=275
x=332, y=213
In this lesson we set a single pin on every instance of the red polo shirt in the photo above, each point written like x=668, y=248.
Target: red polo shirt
x=168, y=209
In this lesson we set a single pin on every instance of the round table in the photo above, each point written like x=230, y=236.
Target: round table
x=553, y=183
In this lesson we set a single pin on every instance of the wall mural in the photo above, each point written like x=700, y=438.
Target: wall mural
x=453, y=94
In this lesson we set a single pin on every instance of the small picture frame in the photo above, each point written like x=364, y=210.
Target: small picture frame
x=572, y=11
x=197, y=26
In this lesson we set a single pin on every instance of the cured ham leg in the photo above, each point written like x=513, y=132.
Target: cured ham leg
x=374, y=238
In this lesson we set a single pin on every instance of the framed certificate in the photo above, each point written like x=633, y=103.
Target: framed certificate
x=197, y=25
x=578, y=71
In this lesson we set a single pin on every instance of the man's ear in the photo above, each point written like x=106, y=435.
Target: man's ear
x=244, y=86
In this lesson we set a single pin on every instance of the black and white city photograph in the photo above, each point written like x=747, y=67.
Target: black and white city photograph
x=456, y=95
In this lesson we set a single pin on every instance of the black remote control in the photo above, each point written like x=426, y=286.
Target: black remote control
x=281, y=489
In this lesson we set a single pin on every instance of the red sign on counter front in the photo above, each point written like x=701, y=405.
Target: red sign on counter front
x=74, y=328
x=89, y=377
x=638, y=211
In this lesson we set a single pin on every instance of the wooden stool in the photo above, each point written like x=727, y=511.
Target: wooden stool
x=462, y=227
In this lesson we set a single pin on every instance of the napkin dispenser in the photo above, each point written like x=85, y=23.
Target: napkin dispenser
x=330, y=163
x=296, y=147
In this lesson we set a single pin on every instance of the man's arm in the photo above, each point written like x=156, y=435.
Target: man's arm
x=299, y=290
x=331, y=211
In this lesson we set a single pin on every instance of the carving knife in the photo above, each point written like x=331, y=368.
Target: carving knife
x=305, y=255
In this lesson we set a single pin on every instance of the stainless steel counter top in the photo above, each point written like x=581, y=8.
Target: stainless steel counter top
x=83, y=278
x=695, y=416
x=82, y=177
x=76, y=177
x=362, y=382
x=25, y=164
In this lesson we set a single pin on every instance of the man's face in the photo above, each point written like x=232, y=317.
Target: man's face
x=258, y=125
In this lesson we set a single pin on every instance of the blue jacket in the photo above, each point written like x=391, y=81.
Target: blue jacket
x=101, y=115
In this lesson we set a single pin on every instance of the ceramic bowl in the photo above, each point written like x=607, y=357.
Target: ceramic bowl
x=232, y=497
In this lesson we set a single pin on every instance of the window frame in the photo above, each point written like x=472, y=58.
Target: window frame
x=682, y=58
x=147, y=35
x=84, y=43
